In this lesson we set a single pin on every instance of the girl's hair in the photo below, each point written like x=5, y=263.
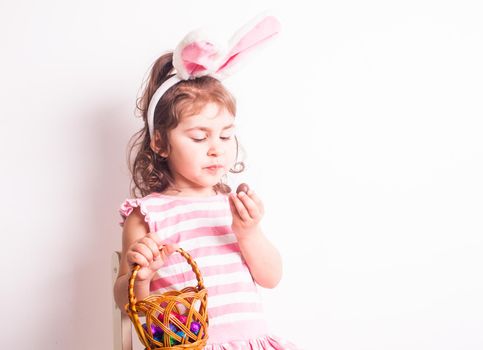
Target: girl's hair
x=150, y=172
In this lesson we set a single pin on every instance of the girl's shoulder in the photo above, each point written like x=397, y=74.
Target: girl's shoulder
x=128, y=205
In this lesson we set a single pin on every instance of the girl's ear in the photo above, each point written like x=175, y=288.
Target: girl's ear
x=163, y=154
x=250, y=37
x=154, y=144
x=154, y=141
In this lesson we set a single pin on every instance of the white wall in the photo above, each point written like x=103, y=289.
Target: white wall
x=363, y=130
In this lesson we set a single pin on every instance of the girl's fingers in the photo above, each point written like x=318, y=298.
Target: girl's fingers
x=250, y=205
x=167, y=250
x=157, y=264
x=170, y=248
x=232, y=206
x=137, y=258
x=152, y=246
x=148, y=255
x=142, y=249
x=155, y=238
x=240, y=207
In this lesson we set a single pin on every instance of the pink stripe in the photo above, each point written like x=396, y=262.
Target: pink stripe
x=233, y=309
x=179, y=202
x=204, y=251
x=215, y=250
x=222, y=269
x=190, y=215
x=206, y=231
x=189, y=276
x=232, y=288
x=165, y=282
x=157, y=285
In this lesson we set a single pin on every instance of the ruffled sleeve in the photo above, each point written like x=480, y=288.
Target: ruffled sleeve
x=128, y=206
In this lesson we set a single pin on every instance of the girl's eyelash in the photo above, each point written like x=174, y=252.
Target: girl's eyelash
x=223, y=138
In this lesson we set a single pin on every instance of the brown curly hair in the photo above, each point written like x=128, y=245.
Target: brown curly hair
x=150, y=172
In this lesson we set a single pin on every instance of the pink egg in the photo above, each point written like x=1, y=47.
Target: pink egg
x=182, y=318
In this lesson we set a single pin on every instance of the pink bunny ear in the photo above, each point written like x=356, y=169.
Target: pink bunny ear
x=250, y=37
x=196, y=55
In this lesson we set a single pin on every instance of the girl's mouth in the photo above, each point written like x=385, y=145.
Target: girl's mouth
x=214, y=168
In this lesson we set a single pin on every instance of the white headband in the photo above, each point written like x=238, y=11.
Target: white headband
x=199, y=55
x=155, y=99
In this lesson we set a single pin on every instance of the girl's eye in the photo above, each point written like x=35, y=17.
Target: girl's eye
x=198, y=140
x=223, y=138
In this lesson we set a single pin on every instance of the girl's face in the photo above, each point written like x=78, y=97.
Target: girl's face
x=203, y=148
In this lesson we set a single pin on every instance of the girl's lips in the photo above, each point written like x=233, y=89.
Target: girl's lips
x=214, y=168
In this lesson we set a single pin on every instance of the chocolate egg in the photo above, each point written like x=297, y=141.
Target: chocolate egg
x=243, y=187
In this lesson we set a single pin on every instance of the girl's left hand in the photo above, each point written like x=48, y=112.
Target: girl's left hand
x=247, y=210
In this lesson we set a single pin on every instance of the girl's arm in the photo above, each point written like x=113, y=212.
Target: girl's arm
x=134, y=228
x=142, y=248
x=262, y=258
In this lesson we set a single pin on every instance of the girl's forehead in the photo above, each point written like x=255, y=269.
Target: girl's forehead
x=211, y=114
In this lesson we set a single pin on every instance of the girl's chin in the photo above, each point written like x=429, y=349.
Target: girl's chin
x=214, y=182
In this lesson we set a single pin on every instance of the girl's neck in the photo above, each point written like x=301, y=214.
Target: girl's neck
x=189, y=193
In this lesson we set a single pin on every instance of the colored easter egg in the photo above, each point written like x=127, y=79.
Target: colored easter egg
x=173, y=328
x=158, y=337
x=158, y=332
x=195, y=327
x=182, y=318
x=145, y=326
x=173, y=341
x=154, y=329
x=181, y=334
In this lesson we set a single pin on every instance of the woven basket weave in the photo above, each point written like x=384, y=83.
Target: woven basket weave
x=162, y=311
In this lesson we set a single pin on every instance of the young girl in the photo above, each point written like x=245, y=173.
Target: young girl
x=185, y=149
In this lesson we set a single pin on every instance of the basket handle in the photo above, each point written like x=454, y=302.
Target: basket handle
x=132, y=298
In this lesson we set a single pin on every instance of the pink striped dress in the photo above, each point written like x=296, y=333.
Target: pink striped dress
x=202, y=226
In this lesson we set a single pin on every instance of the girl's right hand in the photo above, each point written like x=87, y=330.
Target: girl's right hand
x=150, y=254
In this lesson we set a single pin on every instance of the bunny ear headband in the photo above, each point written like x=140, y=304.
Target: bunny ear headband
x=198, y=55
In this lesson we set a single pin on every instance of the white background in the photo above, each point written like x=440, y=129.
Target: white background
x=362, y=125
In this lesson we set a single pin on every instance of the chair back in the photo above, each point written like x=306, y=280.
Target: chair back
x=121, y=323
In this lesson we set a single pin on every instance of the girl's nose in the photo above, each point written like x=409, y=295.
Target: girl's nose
x=216, y=148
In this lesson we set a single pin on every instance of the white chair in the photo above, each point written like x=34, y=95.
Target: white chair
x=121, y=322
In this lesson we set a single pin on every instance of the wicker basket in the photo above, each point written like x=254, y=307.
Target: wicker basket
x=175, y=320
